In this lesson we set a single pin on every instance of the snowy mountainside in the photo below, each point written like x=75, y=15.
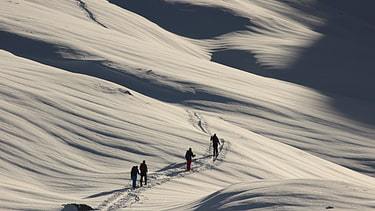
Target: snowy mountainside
x=65, y=135
x=89, y=89
x=310, y=42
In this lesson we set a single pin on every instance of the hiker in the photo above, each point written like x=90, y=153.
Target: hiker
x=133, y=174
x=189, y=155
x=215, y=143
x=143, y=168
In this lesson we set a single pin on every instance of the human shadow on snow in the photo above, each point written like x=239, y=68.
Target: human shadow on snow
x=107, y=193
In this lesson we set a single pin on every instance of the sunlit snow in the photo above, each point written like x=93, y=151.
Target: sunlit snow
x=91, y=88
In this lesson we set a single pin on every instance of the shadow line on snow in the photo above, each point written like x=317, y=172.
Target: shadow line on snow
x=327, y=61
x=193, y=21
x=49, y=54
x=106, y=193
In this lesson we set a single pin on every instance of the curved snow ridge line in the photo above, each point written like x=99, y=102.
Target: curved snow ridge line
x=83, y=6
x=127, y=196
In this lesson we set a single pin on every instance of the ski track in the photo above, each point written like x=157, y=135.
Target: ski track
x=197, y=121
x=127, y=196
x=83, y=6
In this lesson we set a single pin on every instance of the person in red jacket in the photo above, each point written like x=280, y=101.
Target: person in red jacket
x=143, y=168
x=189, y=155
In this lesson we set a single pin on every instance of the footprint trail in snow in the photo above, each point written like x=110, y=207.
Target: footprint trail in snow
x=127, y=196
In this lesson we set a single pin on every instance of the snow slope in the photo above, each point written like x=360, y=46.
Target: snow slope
x=89, y=89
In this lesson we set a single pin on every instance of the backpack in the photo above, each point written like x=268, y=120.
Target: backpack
x=143, y=167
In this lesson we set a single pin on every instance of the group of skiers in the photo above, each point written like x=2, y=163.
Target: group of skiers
x=189, y=155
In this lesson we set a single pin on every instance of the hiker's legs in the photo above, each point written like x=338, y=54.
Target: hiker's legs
x=134, y=178
x=216, y=151
x=188, y=164
x=145, y=177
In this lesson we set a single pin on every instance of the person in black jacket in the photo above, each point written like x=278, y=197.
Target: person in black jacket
x=134, y=172
x=189, y=155
x=215, y=144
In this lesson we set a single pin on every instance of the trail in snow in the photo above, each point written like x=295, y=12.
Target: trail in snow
x=198, y=121
x=83, y=6
x=127, y=196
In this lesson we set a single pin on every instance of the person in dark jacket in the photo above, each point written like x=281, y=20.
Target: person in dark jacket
x=134, y=172
x=143, y=168
x=215, y=144
x=189, y=155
